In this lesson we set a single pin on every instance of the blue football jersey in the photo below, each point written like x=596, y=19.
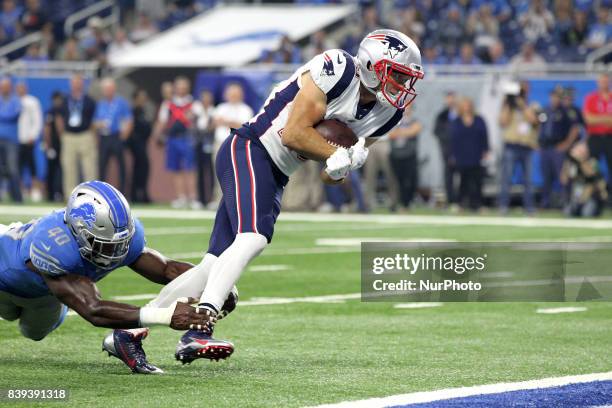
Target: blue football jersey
x=53, y=250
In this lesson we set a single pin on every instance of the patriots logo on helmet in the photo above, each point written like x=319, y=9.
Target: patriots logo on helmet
x=85, y=212
x=328, y=66
x=394, y=45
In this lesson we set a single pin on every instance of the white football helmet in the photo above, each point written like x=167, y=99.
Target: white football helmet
x=389, y=66
x=100, y=219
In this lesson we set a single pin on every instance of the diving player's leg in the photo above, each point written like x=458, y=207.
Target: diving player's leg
x=8, y=309
x=40, y=316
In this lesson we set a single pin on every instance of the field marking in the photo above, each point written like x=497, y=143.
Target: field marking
x=527, y=222
x=269, y=268
x=417, y=305
x=142, y=296
x=264, y=301
x=176, y=231
x=556, y=310
x=275, y=251
x=356, y=241
x=448, y=393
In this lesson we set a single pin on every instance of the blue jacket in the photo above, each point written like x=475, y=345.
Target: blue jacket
x=10, y=109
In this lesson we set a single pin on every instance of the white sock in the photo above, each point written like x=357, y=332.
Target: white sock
x=188, y=284
x=227, y=269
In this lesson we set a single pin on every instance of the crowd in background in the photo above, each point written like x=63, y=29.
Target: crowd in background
x=464, y=32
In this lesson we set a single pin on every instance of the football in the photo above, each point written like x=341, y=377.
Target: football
x=336, y=133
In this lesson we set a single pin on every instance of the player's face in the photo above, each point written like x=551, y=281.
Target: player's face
x=397, y=83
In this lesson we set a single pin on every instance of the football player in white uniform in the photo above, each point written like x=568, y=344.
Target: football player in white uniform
x=368, y=93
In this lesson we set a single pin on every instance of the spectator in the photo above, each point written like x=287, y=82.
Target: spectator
x=318, y=43
x=287, y=53
x=230, y=114
x=77, y=137
x=483, y=26
x=470, y=147
x=177, y=122
x=53, y=147
x=137, y=143
x=48, y=44
x=404, y=156
x=573, y=112
x=378, y=162
x=34, y=54
x=10, y=108
x=120, y=45
x=95, y=40
x=557, y=134
x=466, y=55
x=143, y=29
x=340, y=197
x=585, y=183
x=431, y=55
x=451, y=32
x=528, y=60
x=204, y=147
x=577, y=33
x=9, y=19
x=597, y=112
x=33, y=18
x=600, y=33
x=537, y=22
x=113, y=122
x=29, y=128
x=519, y=125
x=496, y=54
x=442, y=130
x=70, y=51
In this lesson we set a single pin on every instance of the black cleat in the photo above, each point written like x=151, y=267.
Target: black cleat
x=127, y=347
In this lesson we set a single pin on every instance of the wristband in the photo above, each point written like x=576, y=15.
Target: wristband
x=156, y=315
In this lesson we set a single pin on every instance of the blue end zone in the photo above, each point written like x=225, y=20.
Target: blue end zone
x=573, y=395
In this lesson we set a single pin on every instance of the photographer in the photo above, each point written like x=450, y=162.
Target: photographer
x=519, y=125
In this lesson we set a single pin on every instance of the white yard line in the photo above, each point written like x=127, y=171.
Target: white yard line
x=356, y=241
x=557, y=310
x=417, y=305
x=528, y=222
x=430, y=396
x=142, y=296
x=176, y=231
x=269, y=268
x=276, y=251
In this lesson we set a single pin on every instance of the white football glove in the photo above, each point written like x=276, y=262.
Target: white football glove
x=359, y=154
x=338, y=164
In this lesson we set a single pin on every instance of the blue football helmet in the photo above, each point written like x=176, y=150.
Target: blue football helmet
x=99, y=217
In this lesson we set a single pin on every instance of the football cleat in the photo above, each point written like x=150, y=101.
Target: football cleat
x=127, y=347
x=198, y=344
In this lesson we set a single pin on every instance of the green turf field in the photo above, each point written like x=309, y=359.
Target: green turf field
x=318, y=350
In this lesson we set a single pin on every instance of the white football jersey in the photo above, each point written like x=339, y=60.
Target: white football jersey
x=335, y=73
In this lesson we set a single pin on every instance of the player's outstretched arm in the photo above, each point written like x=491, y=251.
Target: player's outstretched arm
x=157, y=268
x=81, y=294
x=309, y=107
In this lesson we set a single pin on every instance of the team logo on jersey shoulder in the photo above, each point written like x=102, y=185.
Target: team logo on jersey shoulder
x=328, y=66
x=394, y=45
x=85, y=212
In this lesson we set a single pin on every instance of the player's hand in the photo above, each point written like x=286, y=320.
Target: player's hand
x=359, y=154
x=187, y=317
x=338, y=164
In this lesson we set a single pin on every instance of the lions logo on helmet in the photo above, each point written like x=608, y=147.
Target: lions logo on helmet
x=85, y=212
x=394, y=45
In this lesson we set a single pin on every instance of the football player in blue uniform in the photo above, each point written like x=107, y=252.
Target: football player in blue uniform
x=53, y=263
